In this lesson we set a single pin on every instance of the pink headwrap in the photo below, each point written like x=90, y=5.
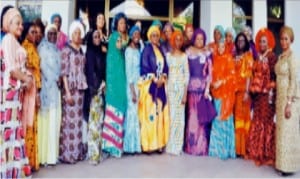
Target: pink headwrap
x=8, y=17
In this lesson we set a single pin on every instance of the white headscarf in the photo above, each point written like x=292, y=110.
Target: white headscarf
x=49, y=27
x=74, y=25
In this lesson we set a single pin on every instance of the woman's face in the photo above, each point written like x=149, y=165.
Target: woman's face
x=168, y=32
x=154, y=38
x=57, y=22
x=178, y=41
x=285, y=41
x=32, y=34
x=228, y=37
x=100, y=21
x=122, y=25
x=221, y=48
x=217, y=35
x=241, y=42
x=52, y=35
x=96, y=38
x=136, y=37
x=76, y=36
x=263, y=44
x=189, y=33
x=199, y=41
x=39, y=34
x=16, y=26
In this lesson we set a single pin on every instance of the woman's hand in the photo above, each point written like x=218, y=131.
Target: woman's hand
x=183, y=101
x=38, y=100
x=28, y=82
x=287, y=111
x=246, y=96
x=206, y=93
x=217, y=84
x=134, y=98
x=69, y=99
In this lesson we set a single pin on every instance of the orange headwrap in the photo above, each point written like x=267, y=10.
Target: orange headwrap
x=173, y=37
x=270, y=37
x=8, y=17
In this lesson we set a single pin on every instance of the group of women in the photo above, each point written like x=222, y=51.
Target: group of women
x=174, y=93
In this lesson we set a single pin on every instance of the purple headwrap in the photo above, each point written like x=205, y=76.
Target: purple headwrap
x=197, y=32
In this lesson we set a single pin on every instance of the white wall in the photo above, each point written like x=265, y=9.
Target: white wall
x=259, y=15
x=292, y=15
x=215, y=12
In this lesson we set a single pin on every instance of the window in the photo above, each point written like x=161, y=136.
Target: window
x=241, y=14
x=30, y=9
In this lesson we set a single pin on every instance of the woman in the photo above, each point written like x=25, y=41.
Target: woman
x=62, y=38
x=200, y=109
x=14, y=77
x=188, y=34
x=153, y=107
x=31, y=98
x=243, y=62
x=115, y=89
x=71, y=148
x=248, y=32
x=119, y=24
x=40, y=29
x=101, y=27
x=168, y=30
x=95, y=75
x=3, y=11
x=229, y=40
x=132, y=141
x=222, y=139
x=218, y=35
x=49, y=118
x=287, y=106
x=177, y=92
x=261, y=139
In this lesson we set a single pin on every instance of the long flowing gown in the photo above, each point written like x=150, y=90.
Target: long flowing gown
x=287, y=130
x=31, y=137
x=243, y=70
x=71, y=148
x=178, y=79
x=222, y=138
x=49, y=116
x=200, y=110
x=13, y=160
x=132, y=138
x=115, y=109
x=153, y=107
x=261, y=138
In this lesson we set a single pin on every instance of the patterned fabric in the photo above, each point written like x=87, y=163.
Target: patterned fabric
x=287, y=130
x=31, y=137
x=261, y=139
x=71, y=147
x=200, y=110
x=112, y=133
x=243, y=71
x=222, y=140
x=95, y=129
x=132, y=138
x=62, y=40
x=177, y=82
x=49, y=117
x=13, y=159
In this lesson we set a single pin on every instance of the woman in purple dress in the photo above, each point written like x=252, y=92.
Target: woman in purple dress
x=200, y=110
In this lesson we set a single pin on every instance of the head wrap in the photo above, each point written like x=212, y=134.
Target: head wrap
x=8, y=17
x=54, y=16
x=197, y=32
x=157, y=23
x=230, y=30
x=168, y=24
x=188, y=26
x=220, y=29
x=114, y=24
x=151, y=30
x=173, y=37
x=269, y=35
x=74, y=25
x=3, y=12
x=134, y=29
x=48, y=28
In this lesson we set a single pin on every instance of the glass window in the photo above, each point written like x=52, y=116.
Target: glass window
x=30, y=9
x=241, y=14
x=187, y=11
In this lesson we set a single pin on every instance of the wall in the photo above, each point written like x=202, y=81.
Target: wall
x=259, y=15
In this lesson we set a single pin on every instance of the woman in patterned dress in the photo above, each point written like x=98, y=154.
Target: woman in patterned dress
x=13, y=76
x=243, y=61
x=177, y=92
x=222, y=139
x=261, y=140
x=200, y=109
x=71, y=148
x=132, y=139
x=31, y=98
x=153, y=107
x=62, y=38
x=49, y=117
x=287, y=106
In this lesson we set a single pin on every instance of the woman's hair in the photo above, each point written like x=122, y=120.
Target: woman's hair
x=26, y=26
x=114, y=24
x=39, y=23
x=247, y=44
x=289, y=31
x=104, y=30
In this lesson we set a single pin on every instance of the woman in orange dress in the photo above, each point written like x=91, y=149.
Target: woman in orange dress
x=261, y=144
x=243, y=71
x=229, y=40
x=31, y=99
x=218, y=35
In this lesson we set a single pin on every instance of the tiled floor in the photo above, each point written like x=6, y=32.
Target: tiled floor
x=163, y=166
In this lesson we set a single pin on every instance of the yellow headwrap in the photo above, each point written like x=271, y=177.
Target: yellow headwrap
x=151, y=30
x=8, y=17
